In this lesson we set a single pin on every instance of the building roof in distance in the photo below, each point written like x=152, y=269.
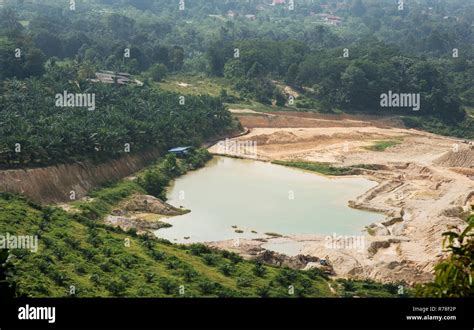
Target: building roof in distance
x=180, y=149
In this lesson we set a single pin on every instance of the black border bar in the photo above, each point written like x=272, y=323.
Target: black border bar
x=330, y=313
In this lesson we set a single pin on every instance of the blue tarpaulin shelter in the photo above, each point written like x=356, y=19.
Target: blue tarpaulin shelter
x=181, y=151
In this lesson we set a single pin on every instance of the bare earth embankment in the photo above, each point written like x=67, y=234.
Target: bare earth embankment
x=426, y=187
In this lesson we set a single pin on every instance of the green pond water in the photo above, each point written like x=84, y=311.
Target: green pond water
x=262, y=197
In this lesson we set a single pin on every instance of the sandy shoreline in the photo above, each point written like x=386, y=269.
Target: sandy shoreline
x=425, y=187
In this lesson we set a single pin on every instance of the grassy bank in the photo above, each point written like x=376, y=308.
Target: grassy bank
x=382, y=145
x=198, y=84
x=323, y=168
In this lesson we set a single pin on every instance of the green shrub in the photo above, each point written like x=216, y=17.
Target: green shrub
x=158, y=72
x=227, y=269
x=189, y=273
x=80, y=269
x=223, y=292
x=286, y=276
x=58, y=277
x=95, y=278
x=454, y=276
x=244, y=281
x=129, y=261
x=105, y=267
x=158, y=255
x=323, y=168
x=315, y=273
x=117, y=288
x=206, y=286
x=154, y=182
x=263, y=292
x=348, y=285
x=167, y=285
x=210, y=259
x=199, y=249
x=149, y=277
x=259, y=270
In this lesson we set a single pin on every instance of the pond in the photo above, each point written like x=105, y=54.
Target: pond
x=234, y=198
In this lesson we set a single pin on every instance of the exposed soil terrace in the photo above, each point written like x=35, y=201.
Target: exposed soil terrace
x=425, y=187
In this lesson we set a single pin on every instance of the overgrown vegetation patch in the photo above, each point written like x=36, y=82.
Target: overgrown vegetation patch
x=383, y=145
x=323, y=168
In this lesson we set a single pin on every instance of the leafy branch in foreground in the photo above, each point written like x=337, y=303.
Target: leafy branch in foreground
x=454, y=276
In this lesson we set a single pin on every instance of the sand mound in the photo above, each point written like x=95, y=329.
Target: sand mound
x=280, y=137
x=461, y=158
x=150, y=204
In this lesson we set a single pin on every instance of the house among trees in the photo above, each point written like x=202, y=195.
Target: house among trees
x=330, y=19
x=278, y=2
x=120, y=78
x=334, y=20
x=231, y=14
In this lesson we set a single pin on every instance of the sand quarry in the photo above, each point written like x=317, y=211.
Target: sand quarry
x=425, y=187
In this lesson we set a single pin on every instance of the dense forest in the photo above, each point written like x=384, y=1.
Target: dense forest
x=48, y=47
